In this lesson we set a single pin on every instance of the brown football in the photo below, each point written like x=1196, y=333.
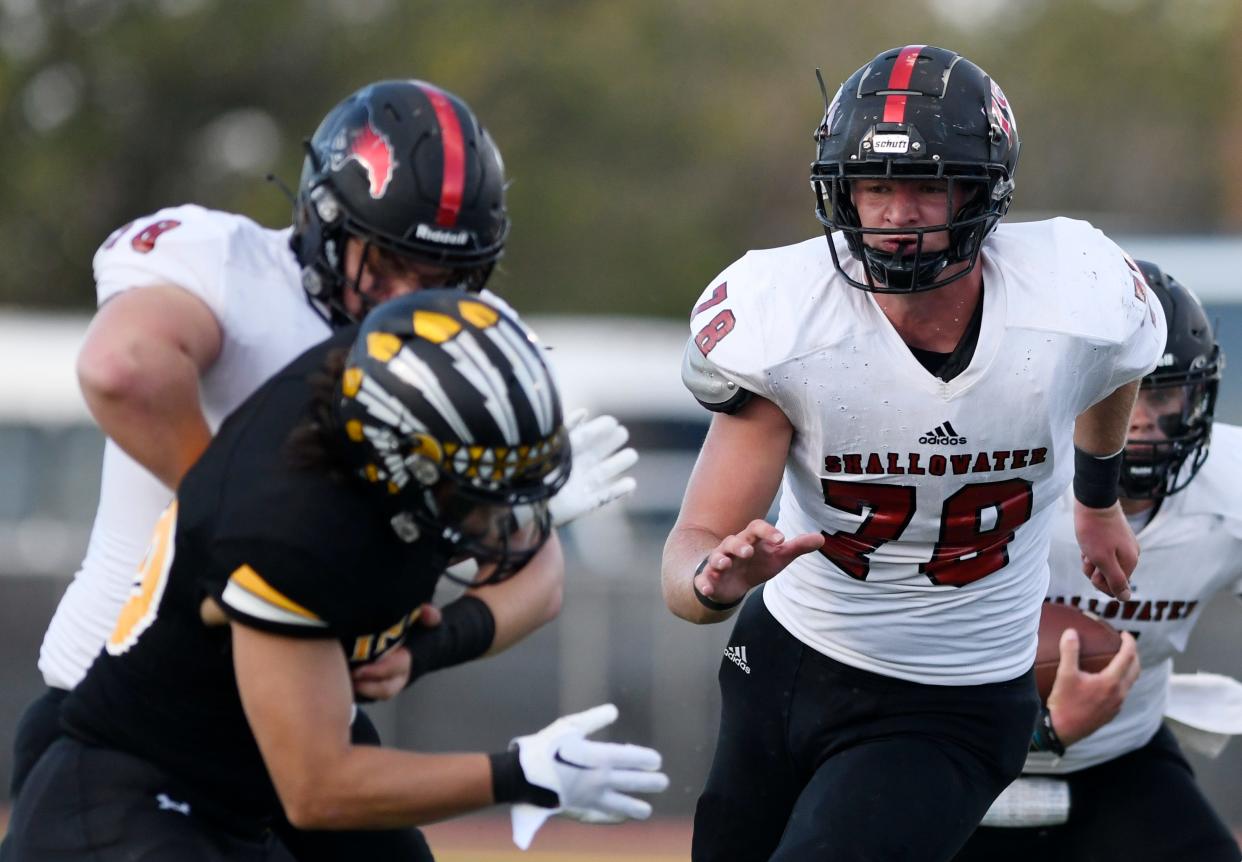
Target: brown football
x=1098, y=642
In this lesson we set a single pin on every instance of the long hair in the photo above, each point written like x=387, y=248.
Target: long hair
x=313, y=444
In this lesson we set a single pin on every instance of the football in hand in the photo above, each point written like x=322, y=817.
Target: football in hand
x=1098, y=642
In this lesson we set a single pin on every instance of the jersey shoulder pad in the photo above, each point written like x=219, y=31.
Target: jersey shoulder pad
x=1065, y=275
x=712, y=387
x=746, y=321
x=283, y=586
x=188, y=246
x=251, y=598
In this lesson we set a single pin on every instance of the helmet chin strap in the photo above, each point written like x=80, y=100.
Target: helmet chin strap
x=891, y=271
x=355, y=284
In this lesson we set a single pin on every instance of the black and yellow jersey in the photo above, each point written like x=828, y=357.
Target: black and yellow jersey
x=285, y=549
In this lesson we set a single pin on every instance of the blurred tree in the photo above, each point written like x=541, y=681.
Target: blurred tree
x=649, y=143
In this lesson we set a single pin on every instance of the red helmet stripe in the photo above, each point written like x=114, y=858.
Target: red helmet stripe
x=454, y=157
x=899, y=79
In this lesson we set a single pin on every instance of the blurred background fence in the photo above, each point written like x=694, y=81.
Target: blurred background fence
x=649, y=143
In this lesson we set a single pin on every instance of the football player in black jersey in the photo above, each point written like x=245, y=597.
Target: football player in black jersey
x=305, y=541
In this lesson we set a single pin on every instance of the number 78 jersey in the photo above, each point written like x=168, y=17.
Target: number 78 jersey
x=934, y=496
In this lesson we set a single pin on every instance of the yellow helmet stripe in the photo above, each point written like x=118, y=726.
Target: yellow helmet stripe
x=383, y=345
x=435, y=327
x=477, y=313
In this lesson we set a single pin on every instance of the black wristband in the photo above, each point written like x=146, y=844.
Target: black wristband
x=466, y=631
x=711, y=604
x=1096, y=478
x=1045, y=736
x=509, y=783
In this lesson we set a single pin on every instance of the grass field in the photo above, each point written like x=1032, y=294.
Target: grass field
x=487, y=839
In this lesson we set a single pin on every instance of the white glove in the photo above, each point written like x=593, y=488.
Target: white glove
x=596, y=476
x=590, y=779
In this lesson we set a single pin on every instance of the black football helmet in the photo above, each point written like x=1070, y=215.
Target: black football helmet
x=406, y=167
x=447, y=407
x=917, y=112
x=1187, y=376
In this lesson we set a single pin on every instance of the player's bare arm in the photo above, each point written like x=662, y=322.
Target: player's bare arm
x=1082, y=702
x=297, y=698
x=734, y=481
x=528, y=600
x=1110, y=551
x=139, y=370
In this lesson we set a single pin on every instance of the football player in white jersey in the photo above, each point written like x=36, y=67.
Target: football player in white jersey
x=1105, y=786
x=402, y=188
x=921, y=389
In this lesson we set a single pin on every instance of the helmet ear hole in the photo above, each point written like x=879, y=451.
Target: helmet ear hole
x=424, y=472
x=326, y=204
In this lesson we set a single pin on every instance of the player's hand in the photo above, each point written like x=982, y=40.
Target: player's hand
x=749, y=558
x=384, y=678
x=1109, y=550
x=599, y=461
x=592, y=780
x=1080, y=702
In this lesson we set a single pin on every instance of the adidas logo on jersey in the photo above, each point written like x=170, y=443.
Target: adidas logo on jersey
x=737, y=655
x=943, y=435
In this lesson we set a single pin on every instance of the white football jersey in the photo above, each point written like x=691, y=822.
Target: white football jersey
x=1190, y=551
x=250, y=280
x=935, y=496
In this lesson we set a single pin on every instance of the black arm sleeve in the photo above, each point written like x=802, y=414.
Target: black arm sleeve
x=466, y=631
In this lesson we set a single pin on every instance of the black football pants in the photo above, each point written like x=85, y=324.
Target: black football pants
x=39, y=727
x=1143, y=805
x=819, y=760
x=81, y=803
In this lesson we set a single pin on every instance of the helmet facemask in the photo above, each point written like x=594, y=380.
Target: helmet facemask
x=501, y=539
x=914, y=268
x=1153, y=468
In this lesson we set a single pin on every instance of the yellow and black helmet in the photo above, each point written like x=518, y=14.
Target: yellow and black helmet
x=448, y=408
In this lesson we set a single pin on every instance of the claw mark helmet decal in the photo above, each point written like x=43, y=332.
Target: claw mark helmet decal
x=917, y=112
x=448, y=408
x=404, y=166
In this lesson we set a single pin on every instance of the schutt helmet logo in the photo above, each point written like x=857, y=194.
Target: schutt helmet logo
x=371, y=149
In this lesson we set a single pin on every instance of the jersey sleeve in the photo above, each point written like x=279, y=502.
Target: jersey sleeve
x=724, y=361
x=1139, y=325
x=186, y=246
x=280, y=589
